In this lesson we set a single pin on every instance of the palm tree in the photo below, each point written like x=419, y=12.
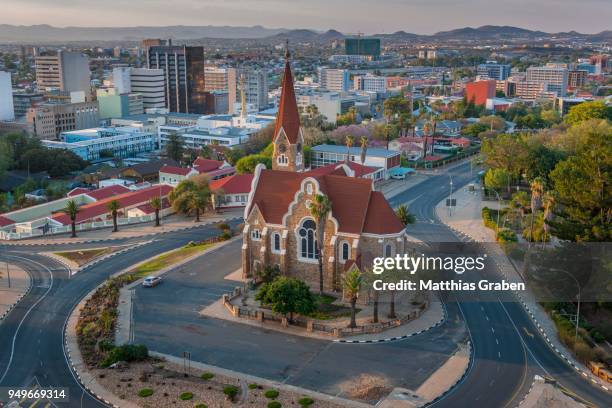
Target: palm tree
x=156, y=204
x=319, y=209
x=349, y=143
x=191, y=196
x=404, y=215
x=548, y=201
x=72, y=209
x=114, y=207
x=537, y=189
x=352, y=285
x=364, y=149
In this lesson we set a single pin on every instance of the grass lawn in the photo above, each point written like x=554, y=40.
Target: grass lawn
x=327, y=310
x=84, y=256
x=165, y=260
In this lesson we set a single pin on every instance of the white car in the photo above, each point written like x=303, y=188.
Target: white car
x=398, y=177
x=151, y=281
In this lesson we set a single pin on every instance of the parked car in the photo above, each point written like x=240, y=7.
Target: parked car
x=151, y=281
x=398, y=176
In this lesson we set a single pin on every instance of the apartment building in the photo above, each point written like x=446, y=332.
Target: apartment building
x=49, y=120
x=65, y=71
x=556, y=78
x=150, y=83
x=255, y=82
x=334, y=79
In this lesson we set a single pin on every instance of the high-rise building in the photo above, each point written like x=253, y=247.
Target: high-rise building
x=183, y=68
x=362, y=46
x=215, y=79
x=23, y=101
x=370, y=83
x=150, y=83
x=576, y=78
x=334, y=79
x=479, y=91
x=65, y=71
x=113, y=104
x=555, y=77
x=492, y=70
x=49, y=120
x=7, y=111
x=255, y=83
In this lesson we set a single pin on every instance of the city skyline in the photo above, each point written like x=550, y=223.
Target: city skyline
x=588, y=16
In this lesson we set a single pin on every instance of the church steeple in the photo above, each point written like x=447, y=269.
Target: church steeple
x=288, y=137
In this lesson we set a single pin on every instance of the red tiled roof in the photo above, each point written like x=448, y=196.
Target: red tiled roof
x=337, y=169
x=381, y=218
x=350, y=197
x=129, y=199
x=147, y=209
x=77, y=191
x=205, y=165
x=182, y=171
x=236, y=184
x=288, y=117
x=4, y=221
x=220, y=172
x=106, y=192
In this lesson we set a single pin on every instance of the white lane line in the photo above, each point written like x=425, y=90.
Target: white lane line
x=497, y=342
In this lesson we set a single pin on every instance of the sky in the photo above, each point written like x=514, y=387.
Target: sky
x=348, y=16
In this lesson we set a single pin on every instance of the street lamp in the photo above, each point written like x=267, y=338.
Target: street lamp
x=578, y=307
x=450, y=196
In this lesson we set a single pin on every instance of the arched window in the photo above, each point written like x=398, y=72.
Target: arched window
x=298, y=159
x=388, y=250
x=307, y=242
x=282, y=160
x=276, y=242
x=255, y=235
x=345, y=251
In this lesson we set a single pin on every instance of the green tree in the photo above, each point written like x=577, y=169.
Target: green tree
x=349, y=142
x=174, y=147
x=396, y=105
x=320, y=208
x=474, y=129
x=287, y=296
x=405, y=216
x=508, y=152
x=497, y=179
x=72, y=209
x=114, y=207
x=351, y=284
x=248, y=163
x=191, y=196
x=156, y=204
x=588, y=110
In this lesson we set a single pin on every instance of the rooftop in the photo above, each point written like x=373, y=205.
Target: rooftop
x=339, y=149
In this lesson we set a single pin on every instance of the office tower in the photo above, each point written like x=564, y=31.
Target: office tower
x=556, y=78
x=255, y=85
x=150, y=83
x=215, y=79
x=492, y=70
x=576, y=78
x=49, y=120
x=7, y=112
x=183, y=68
x=370, y=83
x=113, y=104
x=334, y=79
x=65, y=71
x=362, y=46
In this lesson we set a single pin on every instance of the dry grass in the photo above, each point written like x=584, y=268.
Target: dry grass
x=87, y=255
x=366, y=387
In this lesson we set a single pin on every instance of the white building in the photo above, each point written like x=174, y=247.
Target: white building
x=7, y=111
x=334, y=79
x=323, y=155
x=99, y=143
x=370, y=83
x=255, y=82
x=150, y=83
x=555, y=77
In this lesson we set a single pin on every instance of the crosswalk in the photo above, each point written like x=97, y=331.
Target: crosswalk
x=29, y=402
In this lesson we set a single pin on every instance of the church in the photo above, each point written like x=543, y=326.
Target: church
x=279, y=228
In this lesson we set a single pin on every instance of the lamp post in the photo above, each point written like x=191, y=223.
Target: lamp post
x=450, y=196
x=577, y=308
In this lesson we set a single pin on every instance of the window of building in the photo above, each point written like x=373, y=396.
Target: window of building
x=345, y=251
x=309, y=188
x=307, y=242
x=388, y=250
x=256, y=235
x=276, y=242
x=282, y=160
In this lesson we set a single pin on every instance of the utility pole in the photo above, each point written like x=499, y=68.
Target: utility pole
x=8, y=275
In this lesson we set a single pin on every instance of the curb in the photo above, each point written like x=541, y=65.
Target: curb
x=535, y=378
x=19, y=299
x=438, y=323
x=459, y=380
x=16, y=243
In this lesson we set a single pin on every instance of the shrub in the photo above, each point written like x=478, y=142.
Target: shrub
x=200, y=406
x=223, y=226
x=226, y=235
x=106, y=345
x=145, y=392
x=306, y=402
x=207, y=376
x=274, y=404
x=252, y=386
x=186, y=396
x=126, y=352
x=506, y=235
x=271, y=394
x=230, y=391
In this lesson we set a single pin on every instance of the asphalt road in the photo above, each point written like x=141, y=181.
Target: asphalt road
x=31, y=346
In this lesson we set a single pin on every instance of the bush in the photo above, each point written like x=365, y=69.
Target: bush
x=252, y=386
x=506, y=235
x=224, y=226
x=145, y=392
x=306, y=402
x=271, y=394
x=231, y=391
x=207, y=376
x=126, y=352
x=226, y=235
x=200, y=406
x=106, y=345
x=274, y=404
x=186, y=396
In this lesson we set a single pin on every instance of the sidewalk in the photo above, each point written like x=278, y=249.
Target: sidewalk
x=168, y=224
x=466, y=219
x=20, y=285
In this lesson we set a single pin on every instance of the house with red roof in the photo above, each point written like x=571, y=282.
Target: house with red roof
x=173, y=174
x=232, y=191
x=280, y=229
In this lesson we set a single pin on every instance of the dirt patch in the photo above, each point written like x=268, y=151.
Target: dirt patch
x=168, y=382
x=366, y=387
x=87, y=255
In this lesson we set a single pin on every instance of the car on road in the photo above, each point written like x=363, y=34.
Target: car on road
x=151, y=281
x=399, y=177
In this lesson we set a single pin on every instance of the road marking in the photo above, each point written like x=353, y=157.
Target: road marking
x=492, y=329
x=499, y=354
x=527, y=332
x=497, y=342
x=8, y=366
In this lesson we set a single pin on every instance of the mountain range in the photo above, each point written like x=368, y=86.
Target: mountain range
x=49, y=34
